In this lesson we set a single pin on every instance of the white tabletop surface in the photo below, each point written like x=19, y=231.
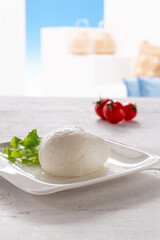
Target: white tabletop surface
x=126, y=208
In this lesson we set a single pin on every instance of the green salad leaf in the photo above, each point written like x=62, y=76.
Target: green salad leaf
x=25, y=150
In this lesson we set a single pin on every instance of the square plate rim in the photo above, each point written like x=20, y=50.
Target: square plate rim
x=61, y=187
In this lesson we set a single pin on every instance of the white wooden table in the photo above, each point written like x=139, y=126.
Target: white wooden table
x=127, y=208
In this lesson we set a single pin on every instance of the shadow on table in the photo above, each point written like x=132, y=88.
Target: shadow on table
x=132, y=123
x=84, y=204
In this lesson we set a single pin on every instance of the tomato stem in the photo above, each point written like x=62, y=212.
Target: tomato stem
x=134, y=107
x=110, y=105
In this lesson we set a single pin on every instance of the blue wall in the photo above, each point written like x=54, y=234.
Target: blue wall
x=47, y=13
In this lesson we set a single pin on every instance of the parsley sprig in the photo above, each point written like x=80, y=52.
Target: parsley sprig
x=25, y=150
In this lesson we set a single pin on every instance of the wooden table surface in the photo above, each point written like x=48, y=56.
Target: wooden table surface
x=126, y=208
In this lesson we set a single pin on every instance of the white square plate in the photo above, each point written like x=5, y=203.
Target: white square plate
x=123, y=160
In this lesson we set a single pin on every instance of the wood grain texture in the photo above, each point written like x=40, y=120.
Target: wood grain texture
x=126, y=208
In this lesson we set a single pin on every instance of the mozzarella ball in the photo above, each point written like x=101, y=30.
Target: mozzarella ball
x=72, y=152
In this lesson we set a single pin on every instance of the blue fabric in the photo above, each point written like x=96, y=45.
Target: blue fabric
x=132, y=87
x=149, y=87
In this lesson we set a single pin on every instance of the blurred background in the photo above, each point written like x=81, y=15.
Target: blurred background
x=80, y=48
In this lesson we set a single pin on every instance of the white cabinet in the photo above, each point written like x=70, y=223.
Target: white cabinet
x=65, y=74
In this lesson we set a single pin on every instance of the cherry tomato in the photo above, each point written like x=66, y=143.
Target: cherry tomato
x=99, y=107
x=113, y=112
x=130, y=111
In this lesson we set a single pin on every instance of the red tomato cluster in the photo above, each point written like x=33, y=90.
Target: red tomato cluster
x=114, y=111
